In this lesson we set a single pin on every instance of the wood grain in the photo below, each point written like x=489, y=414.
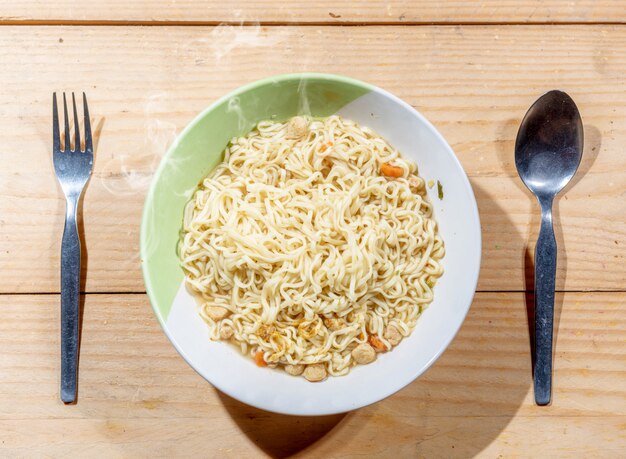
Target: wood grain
x=474, y=83
x=139, y=398
x=291, y=11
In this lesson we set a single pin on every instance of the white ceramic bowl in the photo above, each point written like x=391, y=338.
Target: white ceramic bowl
x=198, y=150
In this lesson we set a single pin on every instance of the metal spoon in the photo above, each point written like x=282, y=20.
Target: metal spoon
x=548, y=150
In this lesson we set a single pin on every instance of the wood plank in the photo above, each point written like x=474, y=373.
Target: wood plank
x=138, y=397
x=474, y=83
x=341, y=11
x=346, y=437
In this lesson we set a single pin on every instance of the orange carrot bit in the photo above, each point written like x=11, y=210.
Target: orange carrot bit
x=259, y=360
x=325, y=146
x=377, y=344
x=390, y=170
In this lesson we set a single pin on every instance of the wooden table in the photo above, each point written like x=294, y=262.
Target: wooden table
x=473, y=68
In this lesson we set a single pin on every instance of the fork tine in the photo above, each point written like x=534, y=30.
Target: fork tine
x=56, y=137
x=88, y=142
x=67, y=125
x=76, y=128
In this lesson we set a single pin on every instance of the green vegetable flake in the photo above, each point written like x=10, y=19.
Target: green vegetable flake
x=439, y=190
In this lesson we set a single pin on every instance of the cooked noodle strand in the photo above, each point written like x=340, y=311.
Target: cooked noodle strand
x=310, y=249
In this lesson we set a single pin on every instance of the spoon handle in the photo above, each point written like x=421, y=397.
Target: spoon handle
x=545, y=274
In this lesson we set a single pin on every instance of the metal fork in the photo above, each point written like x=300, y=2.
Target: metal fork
x=73, y=169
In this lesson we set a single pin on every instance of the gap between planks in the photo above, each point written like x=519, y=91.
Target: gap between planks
x=157, y=23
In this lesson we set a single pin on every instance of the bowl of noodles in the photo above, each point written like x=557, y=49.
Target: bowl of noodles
x=310, y=244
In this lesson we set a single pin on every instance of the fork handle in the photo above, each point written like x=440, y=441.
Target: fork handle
x=70, y=297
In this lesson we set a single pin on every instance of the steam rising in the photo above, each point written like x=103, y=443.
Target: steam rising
x=234, y=105
x=303, y=99
x=224, y=39
x=131, y=173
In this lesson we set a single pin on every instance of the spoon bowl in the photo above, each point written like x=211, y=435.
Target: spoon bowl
x=549, y=144
x=548, y=150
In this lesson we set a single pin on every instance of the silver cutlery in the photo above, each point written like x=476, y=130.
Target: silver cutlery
x=73, y=169
x=548, y=150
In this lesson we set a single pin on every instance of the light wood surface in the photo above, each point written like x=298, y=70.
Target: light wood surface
x=474, y=83
x=293, y=11
x=139, y=398
x=473, y=74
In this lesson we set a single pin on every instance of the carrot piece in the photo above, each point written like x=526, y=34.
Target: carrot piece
x=259, y=360
x=390, y=170
x=325, y=146
x=377, y=343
